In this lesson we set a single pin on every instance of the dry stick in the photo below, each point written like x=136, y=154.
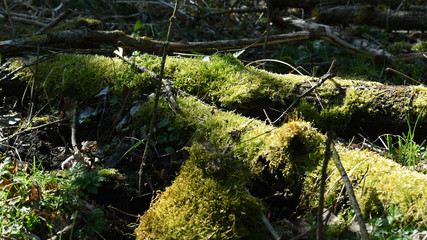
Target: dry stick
x=9, y=18
x=30, y=129
x=53, y=23
x=9, y=75
x=352, y=197
x=328, y=144
x=269, y=14
x=239, y=10
x=123, y=212
x=156, y=99
x=168, y=85
x=404, y=75
x=321, y=81
x=74, y=129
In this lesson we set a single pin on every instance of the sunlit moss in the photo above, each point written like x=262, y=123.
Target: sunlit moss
x=419, y=101
x=78, y=22
x=81, y=76
x=225, y=81
x=420, y=47
x=355, y=97
x=206, y=201
x=292, y=150
x=378, y=183
x=290, y=153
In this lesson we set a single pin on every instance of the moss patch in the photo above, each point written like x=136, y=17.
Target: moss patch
x=207, y=200
x=225, y=81
x=78, y=22
x=378, y=183
x=292, y=150
x=82, y=76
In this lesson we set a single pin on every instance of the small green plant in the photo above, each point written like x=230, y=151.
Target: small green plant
x=407, y=152
x=88, y=181
x=167, y=135
x=388, y=227
x=33, y=201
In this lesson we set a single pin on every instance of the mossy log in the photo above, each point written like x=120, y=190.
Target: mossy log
x=288, y=157
x=229, y=151
x=345, y=106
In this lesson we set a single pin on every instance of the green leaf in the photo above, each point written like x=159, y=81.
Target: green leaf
x=169, y=150
x=163, y=123
x=173, y=137
x=237, y=54
x=163, y=138
x=138, y=25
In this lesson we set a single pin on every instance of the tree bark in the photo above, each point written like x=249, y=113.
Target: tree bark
x=84, y=38
x=375, y=16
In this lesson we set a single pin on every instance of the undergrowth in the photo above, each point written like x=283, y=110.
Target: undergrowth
x=39, y=203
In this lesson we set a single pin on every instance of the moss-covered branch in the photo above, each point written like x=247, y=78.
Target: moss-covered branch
x=349, y=105
x=286, y=157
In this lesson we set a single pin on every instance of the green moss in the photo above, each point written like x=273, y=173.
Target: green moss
x=420, y=47
x=294, y=149
x=399, y=47
x=344, y=99
x=82, y=76
x=78, y=22
x=290, y=150
x=378, y=183
x=206, y=200
x=363, y=15
x=419, y=102
x=225, y=81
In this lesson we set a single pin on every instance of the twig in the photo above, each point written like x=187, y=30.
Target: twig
x=294, y=69
x=176, y=10
x=9, y=18
x=352, y=197
x=168, y=85
x=53, y=23
x=236, y=10
x=267, y=224
x=267, y=31
x=322, y=79
x=328, y=144
x=403, y=75
x=156, y=99
x=74, y=128
x=29, y=129
x=122, y=212
x=119, y=53
x=9, y=75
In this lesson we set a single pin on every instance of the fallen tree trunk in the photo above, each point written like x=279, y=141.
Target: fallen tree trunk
x=374, y=16
x=288, y=157
x=345, y=106
x=313, y=3
x=84, y=38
